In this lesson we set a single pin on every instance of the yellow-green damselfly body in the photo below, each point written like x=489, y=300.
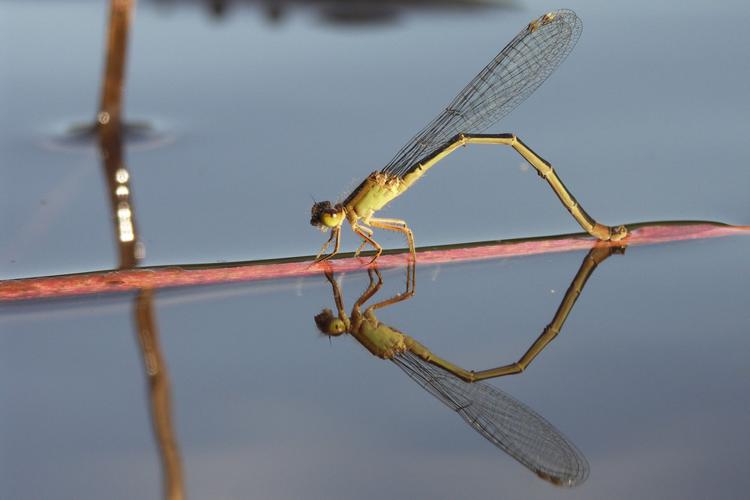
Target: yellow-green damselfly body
x=512, y=76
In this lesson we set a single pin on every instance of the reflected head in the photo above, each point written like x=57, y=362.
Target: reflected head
x=328, y=324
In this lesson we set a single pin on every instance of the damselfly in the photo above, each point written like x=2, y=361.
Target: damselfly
x=505, y=422
x=504, y=83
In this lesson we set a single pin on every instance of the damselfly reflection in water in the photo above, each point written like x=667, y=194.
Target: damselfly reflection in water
x=512, y=76
x=505, y=422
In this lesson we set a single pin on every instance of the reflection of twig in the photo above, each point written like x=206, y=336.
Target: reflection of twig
x=158, y=382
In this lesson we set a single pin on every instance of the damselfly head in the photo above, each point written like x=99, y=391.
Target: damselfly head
x=328, y=324
x=324, y=215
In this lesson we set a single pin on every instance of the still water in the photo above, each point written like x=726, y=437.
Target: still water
x=249, y=109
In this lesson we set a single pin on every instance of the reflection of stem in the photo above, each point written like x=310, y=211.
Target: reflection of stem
x=158, y=382
x=111, y=98
x=109, y=125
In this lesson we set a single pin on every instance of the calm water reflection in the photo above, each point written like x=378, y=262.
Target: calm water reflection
x=244, y=399
x=264, y=406
x=502, y=420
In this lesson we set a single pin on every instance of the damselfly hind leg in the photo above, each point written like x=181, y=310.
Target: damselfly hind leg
x=396, y=225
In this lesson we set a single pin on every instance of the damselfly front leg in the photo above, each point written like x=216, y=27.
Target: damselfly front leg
x=335, y=234
x=364, y=242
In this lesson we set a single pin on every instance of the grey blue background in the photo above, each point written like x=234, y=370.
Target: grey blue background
x=646, y=120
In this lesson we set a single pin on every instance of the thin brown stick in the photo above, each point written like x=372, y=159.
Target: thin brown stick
x=110, y=107
x=204, y=274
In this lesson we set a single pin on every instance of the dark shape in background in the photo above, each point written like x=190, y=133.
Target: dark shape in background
x=337, y=12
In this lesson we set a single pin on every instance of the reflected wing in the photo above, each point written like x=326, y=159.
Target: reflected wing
x=508, y=424
x=512, y=76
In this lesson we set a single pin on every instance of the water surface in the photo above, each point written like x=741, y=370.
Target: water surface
x=256, y=113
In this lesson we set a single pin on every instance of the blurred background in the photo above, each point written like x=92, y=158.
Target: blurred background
x=233, y=116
